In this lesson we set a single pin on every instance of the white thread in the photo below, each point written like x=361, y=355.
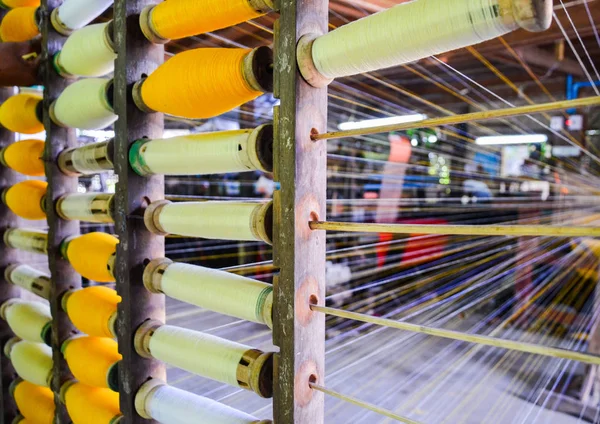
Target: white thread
x=88, y=207
x=87, y=52
x=32, y=362
x=75, y=14
x=28, y=319
x=85, y=158
x=84, y=105
x=406, y=33
x=211, y=220
x=198, y=353
x=210, y=153
x=30, y=279
x=35, y=241
x=219, y=291
x=169, y=405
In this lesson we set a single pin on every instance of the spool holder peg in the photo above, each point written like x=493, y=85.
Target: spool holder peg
x=257, y=70
x=103, y=153
x=254, y=371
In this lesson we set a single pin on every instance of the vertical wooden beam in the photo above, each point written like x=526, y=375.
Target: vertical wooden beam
x=63, y=276
x=8, y=256
x=299, y=252
x=137, y=57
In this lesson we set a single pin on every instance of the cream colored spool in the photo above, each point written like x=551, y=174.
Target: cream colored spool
x=32, y=362
x=165, y=404
x=212, y=289
x=85, y=105
x=75, y=14
x=34, y=241
x=88, y=207
x=29, y=278
x=87, y=160
x=28, y=320
x=212, y=220
x=88, y=52
x=418, y=29
x=209, y=153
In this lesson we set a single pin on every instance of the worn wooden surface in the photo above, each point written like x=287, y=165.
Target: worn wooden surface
x=136, y=57
x=299, y=252
x=58, y=139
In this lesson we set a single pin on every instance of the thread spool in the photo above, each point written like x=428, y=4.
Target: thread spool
x=88, y=207
x=212, y=289
x=22, y=114
x=13, y=4
x=28, y=240
x=92, y=255
x=27, y=199
x=208, y=356
x=29, y=279
x=158, y=401
x=32, y=361
x=36, y=403
x=75, y=14
x=30, y=321
x=411, y=31
x=93, y=361
x=90, y=405
x=209, y=153
x=212, y=220
x=87, y=160
x=20, y=24
x=88, y=52
x=86, y=104
x=185, y=18
x=25, y=157
x=92, y=310
x=207, y=82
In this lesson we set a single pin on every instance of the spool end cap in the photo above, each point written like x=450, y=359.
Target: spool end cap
x=533, y=15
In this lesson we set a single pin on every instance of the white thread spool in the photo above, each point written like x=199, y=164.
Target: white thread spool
x=165, y=404
x=412, y=31
x=30, y=321
x=87, y=160
x=88, y=52
x=212, y=220
x=34, y=241
x=32, y=361
x=209, y=153
x=88, y=207
x=75, y=14
x=85, y=104
x=212, y=289
x=29, y=278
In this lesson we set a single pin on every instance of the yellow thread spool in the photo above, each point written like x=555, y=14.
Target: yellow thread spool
x=92, y=255
x=13, y=4
x=25, y=157
x=93, y=361
x=20, y=24
x=36, y=403
x=184, y=18
x=204, y=83
x=26, y=199
x=20, y=114
x=90, y=405
x=93, y=310
x=32, y=361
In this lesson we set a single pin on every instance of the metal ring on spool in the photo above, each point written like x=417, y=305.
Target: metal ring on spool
x=262, y=222
x=257, y=69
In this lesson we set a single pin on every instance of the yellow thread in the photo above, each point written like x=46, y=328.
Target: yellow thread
x=18, y=114
x=91, y=308
x=183, y=18
x=36, y=403
x=91, y=254
x=25, y=157
x=91, y=405
x=19, y=25
x=12, y=4
x=25, y=199
x=200, y=83
x=91, y=359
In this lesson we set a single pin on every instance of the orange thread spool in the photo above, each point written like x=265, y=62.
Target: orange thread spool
x=24, y=156
x=19, y=24
x=26, y=199
x=19, y=114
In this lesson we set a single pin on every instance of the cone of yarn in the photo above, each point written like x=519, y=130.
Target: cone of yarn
x=90, y=405
x=92, y=310
x=19, y=114
x=93, y=361
x=25, y=157
x=25, y=199
x=19, y=24
x=36, y=403
x=91, y=254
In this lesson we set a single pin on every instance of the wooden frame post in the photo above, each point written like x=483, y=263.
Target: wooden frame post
x=137, y=57
x=300, y=167
x=63, y=276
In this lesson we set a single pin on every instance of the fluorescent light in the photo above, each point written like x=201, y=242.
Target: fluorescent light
x=512, y=139
x=370, y=123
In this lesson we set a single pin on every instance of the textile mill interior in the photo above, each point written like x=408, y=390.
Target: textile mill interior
x=299, y=211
